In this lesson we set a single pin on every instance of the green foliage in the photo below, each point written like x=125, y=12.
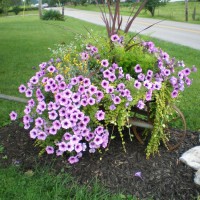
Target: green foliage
x=45, y=184
x=16, y=10
x=160, y=111
x=52, y=15
x=151, y=5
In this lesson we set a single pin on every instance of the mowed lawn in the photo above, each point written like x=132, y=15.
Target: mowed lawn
x=24, y=45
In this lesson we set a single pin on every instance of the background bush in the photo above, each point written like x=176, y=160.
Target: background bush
x=53, y=15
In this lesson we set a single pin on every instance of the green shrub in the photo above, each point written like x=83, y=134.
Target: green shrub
x=53, y=15
x=16, y=10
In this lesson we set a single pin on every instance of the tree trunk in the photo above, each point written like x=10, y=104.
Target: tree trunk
x=186, y=10
x=40, y=9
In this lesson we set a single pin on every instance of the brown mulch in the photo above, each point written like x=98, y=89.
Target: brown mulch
x=164, y=177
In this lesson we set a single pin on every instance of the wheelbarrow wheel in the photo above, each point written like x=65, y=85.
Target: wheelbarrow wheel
x=175, y=129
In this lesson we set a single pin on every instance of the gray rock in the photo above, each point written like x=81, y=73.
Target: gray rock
x=197, y=177
x=192, y=158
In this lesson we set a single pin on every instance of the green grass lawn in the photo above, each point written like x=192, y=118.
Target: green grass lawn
x=25, y=42
x=172, y=11
x=44, y=184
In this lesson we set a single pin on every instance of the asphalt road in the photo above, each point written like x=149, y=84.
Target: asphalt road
x=177, y=32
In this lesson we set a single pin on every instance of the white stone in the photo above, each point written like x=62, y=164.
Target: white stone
x=192, y=158
x=197, y=177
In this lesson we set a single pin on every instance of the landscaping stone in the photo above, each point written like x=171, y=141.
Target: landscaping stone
x=197, y=177
x=192, y=158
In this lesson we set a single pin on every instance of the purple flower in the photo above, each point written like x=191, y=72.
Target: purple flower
x=149, y=73
x=173, y=80
x=186, y=71
x=84, y=56
x=62, y=146
x=59, y=78
x=92, y=89
x=115, y=38
x=49, y=150
x=86, y=82
x=74, y=81
x=33, y=133
x=140, y=104
x=194, y=69
x=117, y=100
x=110, y=89
x=78, y=147
x=157, y=85
x=41, y=136
x=66, y=124
x=29, y=93
x=100, y=115
x=147, y=84
x=167, y=72
x=104, y=63
x=112, y=107
x=52, y=130
x=188, y=81
x=13, y=115
x=62, y=85
x=98, y=140
x=174, y=94
x=52, y=115
x=22, y=88
x=139, y=174
x=39, y=122
x=138, y=69
x=137, y=84
x=34, y=80
x=67, y=136
x=104, y=84
x=51, y=69
x=141, y=77
x=73, y=159
x=106, y=73
x=112, y=78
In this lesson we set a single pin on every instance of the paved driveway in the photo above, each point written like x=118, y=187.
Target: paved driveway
x=177, y=32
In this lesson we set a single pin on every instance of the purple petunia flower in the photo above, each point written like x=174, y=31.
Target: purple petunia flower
x=106, y=73
x=117, y=100
x=104, y=63
x=86, y=82
x=13, y=115
x=29, y=93
x=114, y=38
x=34, y=80
x=33, y=133
x=42, y=136
x=22, y=88
x=98, y=140
x=137, y=84
x=49, y=150
x=78, y=147
x=140, y=104
x=73, y=159
x=62, y=146
x=104, y=84
x=100, y=115
x=141, y=77
x=138, y=69
x=66, y=124
x=52, y=115
x=84, y=56
x=174, y=94
x=112, y=107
